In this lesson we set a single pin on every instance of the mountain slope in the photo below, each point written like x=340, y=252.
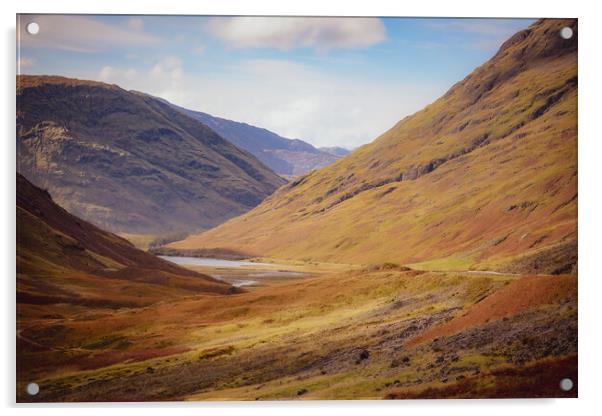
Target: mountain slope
x=484, y=177
x=335, y=150
x=131, y=163
x=62, y=259
x=282, y=155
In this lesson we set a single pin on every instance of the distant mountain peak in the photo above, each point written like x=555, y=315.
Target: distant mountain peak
x=287, y=157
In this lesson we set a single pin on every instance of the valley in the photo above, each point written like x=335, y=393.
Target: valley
x=366, y=333
x=483, y=178
x=157, y=261
x=284, y=329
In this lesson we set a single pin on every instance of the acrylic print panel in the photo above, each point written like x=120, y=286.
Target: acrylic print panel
x=298, y=208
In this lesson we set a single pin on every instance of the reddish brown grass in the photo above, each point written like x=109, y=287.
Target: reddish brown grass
x=113, y=357
x=518, y=296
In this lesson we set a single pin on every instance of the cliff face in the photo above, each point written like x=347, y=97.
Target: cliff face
x=131, y=163
x=484, y=177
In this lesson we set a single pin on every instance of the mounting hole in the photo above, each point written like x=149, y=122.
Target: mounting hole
x=566, y=32
x=566, y=384
x=32, y=389
x=32, y=28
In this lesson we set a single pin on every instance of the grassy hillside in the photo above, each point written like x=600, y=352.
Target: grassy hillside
x=130, y=163
x=358, y=334
x=63, y=260
x=485, y=177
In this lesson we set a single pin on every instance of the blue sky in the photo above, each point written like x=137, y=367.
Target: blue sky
x=329, y=81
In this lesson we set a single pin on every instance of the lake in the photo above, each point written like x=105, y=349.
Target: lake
x=238, y=273
x=210, y=262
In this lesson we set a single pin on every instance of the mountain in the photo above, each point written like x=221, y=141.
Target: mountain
x=335, y=151
x=485, y=177
x=289, y=157
x=130, y=163
x=62, y=259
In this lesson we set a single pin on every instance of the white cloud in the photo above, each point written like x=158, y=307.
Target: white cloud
x=80, y=34
x=163, y=79
x=108, y=74
x=169, y=68
x=291, y=99
x=286, y=33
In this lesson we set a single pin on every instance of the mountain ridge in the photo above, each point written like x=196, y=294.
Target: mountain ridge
x=130, y=163
x=289, y=157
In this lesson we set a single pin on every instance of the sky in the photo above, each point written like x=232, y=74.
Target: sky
x=328, y=81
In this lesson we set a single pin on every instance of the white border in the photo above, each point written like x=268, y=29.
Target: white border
x=590, y=207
